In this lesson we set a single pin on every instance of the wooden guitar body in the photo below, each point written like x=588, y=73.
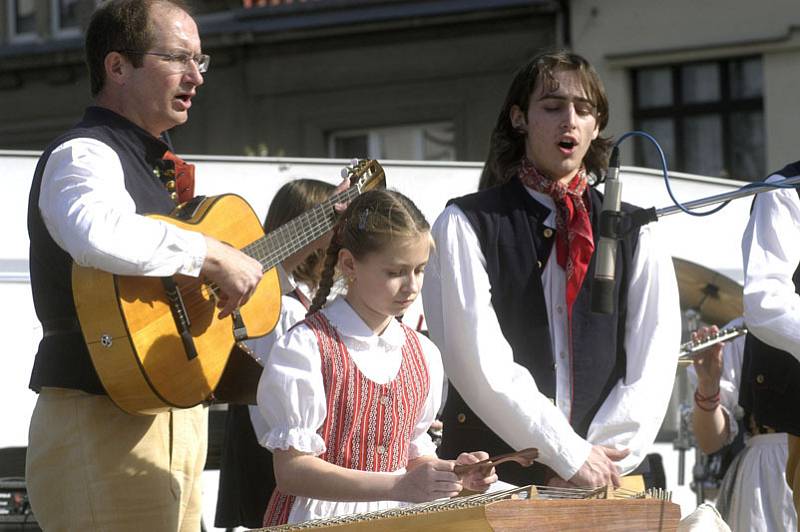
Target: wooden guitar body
x=156, y=343
x=133, y=335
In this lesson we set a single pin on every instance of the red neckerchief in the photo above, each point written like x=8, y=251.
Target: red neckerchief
x=574, y=239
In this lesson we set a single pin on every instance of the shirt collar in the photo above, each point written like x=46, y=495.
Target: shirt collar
x=548, y=202
x=350, y=325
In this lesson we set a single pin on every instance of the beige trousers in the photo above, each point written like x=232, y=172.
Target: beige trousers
x=92, y=467
x=793, y=472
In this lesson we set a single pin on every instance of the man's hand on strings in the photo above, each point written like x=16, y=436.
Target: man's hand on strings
x=235, y=275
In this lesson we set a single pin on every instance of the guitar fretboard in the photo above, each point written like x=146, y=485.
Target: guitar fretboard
x=291, y=237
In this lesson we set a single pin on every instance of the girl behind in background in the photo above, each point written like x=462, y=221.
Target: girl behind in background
x=350, y=393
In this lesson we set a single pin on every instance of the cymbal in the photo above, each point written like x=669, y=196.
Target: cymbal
x=717, y=298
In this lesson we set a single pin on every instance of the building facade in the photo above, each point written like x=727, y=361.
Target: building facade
x=712, y=80
x=320, y=78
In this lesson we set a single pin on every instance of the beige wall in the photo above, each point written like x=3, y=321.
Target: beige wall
x=290, y=96
x=617, y=35
x=289, y=92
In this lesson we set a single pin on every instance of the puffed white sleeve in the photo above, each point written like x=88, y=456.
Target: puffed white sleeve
x=291, y=394
x=421, y=442
x=292, y=311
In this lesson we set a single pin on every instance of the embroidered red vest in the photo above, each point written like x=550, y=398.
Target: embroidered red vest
x=368, y=425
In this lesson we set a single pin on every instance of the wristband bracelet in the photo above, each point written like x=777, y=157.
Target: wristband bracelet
x=712, y=397
x=712, y=402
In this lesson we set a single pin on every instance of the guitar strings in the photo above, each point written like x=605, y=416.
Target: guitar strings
x=289, y=238
x=273, y=247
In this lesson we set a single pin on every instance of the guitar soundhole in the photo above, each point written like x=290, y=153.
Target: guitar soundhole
x=105, y=340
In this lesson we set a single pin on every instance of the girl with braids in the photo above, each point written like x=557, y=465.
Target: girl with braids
x=246, y=477
x=350, y=392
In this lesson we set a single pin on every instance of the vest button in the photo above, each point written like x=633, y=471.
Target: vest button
x=539, y=264
x=760, y=379
x=174, y=197
x=385, y=400
x=547, y=232
x=171, y=185
x=461, y=418
x=381, y=449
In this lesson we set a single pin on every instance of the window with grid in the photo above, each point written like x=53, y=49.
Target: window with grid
x=65, y=17
x=420, y=142
x=707, y=116
x=21, y=19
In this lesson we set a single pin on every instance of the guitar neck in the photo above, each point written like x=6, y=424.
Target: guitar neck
x=271, y=249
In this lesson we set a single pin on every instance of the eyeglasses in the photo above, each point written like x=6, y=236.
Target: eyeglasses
x=180, y=61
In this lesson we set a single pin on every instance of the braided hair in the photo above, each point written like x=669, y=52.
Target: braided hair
x=371, y=222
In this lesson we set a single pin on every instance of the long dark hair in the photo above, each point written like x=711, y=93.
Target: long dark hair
x=371, y=222
x=507, y=144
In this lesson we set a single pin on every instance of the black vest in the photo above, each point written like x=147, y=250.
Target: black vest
x=770, y=384
x=63, y=359
x=510, y=228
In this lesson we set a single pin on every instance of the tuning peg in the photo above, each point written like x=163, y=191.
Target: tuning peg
x=354, y=162
x=345, y=173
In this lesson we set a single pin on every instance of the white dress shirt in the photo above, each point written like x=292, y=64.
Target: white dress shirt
x=479, y=361
x=771, y=253
x=90, y=214
x=292, y=399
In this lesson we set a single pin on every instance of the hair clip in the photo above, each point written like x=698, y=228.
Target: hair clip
x=362, y=219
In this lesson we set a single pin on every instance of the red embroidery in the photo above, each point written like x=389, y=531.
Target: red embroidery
x=369, y=425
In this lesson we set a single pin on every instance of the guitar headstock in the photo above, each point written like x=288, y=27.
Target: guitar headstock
x=365, y=174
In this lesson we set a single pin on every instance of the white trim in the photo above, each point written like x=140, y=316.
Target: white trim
x=319, y=161
x=375, y=148
x=635, y=59
x=13, y=36
x=55, y=23
x=15, y=277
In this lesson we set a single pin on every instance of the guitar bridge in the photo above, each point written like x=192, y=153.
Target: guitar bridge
x=180, y=315
x=239, y=328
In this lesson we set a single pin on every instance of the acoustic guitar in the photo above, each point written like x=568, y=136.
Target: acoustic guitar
x=157, y=343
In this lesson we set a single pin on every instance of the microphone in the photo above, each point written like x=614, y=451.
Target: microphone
x=606, y=254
